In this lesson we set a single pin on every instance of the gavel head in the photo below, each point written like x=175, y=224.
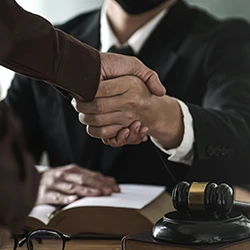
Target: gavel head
x=200, y=197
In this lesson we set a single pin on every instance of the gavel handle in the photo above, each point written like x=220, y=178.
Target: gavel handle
x=242, y=207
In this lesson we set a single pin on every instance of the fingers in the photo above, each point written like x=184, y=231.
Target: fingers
x=109, y=96
x=98, y=105
x=102, y=119
x=65, y=193
x=86, y=178
x=112, y=180
x=56, y=198
x=110, y=88
x=75, y=189
x=104, y=132
x=97, y=180
x=123, y=136
x=134, y=135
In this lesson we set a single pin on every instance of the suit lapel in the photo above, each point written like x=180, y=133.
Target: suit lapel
x=161, y=51
x=89, y=30
x=157, y=53
x=161, y=60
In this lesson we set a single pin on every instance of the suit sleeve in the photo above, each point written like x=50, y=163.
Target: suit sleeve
x=31, y=46
x=222, y=123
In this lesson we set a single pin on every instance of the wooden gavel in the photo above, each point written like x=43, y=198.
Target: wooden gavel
x=208, y=198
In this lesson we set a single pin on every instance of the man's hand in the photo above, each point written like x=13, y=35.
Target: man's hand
x=123, y=101
x=66, y=184
x=115, y=65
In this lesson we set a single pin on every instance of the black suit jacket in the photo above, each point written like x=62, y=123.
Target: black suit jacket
x=201, y=61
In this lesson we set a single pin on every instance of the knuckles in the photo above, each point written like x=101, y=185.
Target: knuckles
x=96, y=175
x=101, y=132
x=92, y=120
x=130, y=115
x=104, y=132
x=98, y=106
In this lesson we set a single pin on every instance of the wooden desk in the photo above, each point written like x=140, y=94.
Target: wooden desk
x=241, y=195
x=76, y=245
x=94, y=245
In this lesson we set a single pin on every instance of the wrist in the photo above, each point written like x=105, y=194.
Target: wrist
x=168, y=127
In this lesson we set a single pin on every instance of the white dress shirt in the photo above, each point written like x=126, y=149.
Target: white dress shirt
x=183, y=153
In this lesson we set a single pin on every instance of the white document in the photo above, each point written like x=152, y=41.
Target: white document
x=131, y=196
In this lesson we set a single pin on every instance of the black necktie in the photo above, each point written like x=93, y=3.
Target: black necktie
x=123, y=50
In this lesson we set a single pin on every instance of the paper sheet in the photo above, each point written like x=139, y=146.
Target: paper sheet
x=131, y=196
x=42, y=212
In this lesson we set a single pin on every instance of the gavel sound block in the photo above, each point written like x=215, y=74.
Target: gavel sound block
x=205, y=213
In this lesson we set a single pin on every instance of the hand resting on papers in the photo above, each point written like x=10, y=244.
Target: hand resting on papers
x=63, y=185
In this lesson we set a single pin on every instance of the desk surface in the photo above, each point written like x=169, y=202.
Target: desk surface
x=76, y=245
x=109, y=244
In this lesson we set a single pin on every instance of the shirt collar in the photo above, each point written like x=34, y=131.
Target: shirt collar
x=136, y=41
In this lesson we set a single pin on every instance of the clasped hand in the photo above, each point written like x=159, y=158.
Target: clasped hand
x=123, y=112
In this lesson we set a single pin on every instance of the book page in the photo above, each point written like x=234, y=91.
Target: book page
x=42, y=213
x=131, y=196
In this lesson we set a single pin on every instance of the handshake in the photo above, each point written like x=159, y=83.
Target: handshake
x=127, y=105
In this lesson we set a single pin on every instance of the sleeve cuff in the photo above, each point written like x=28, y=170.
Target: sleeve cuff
x=41, y=169
x=81, y=79
x=184, y=153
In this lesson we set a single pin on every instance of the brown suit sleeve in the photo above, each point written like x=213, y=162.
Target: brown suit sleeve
x=31, y=46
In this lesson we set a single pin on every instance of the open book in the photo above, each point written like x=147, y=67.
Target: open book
x=135, y=209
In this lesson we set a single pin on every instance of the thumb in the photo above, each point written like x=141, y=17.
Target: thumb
x=115, y=65
x=147, y=75
x=154, y=84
